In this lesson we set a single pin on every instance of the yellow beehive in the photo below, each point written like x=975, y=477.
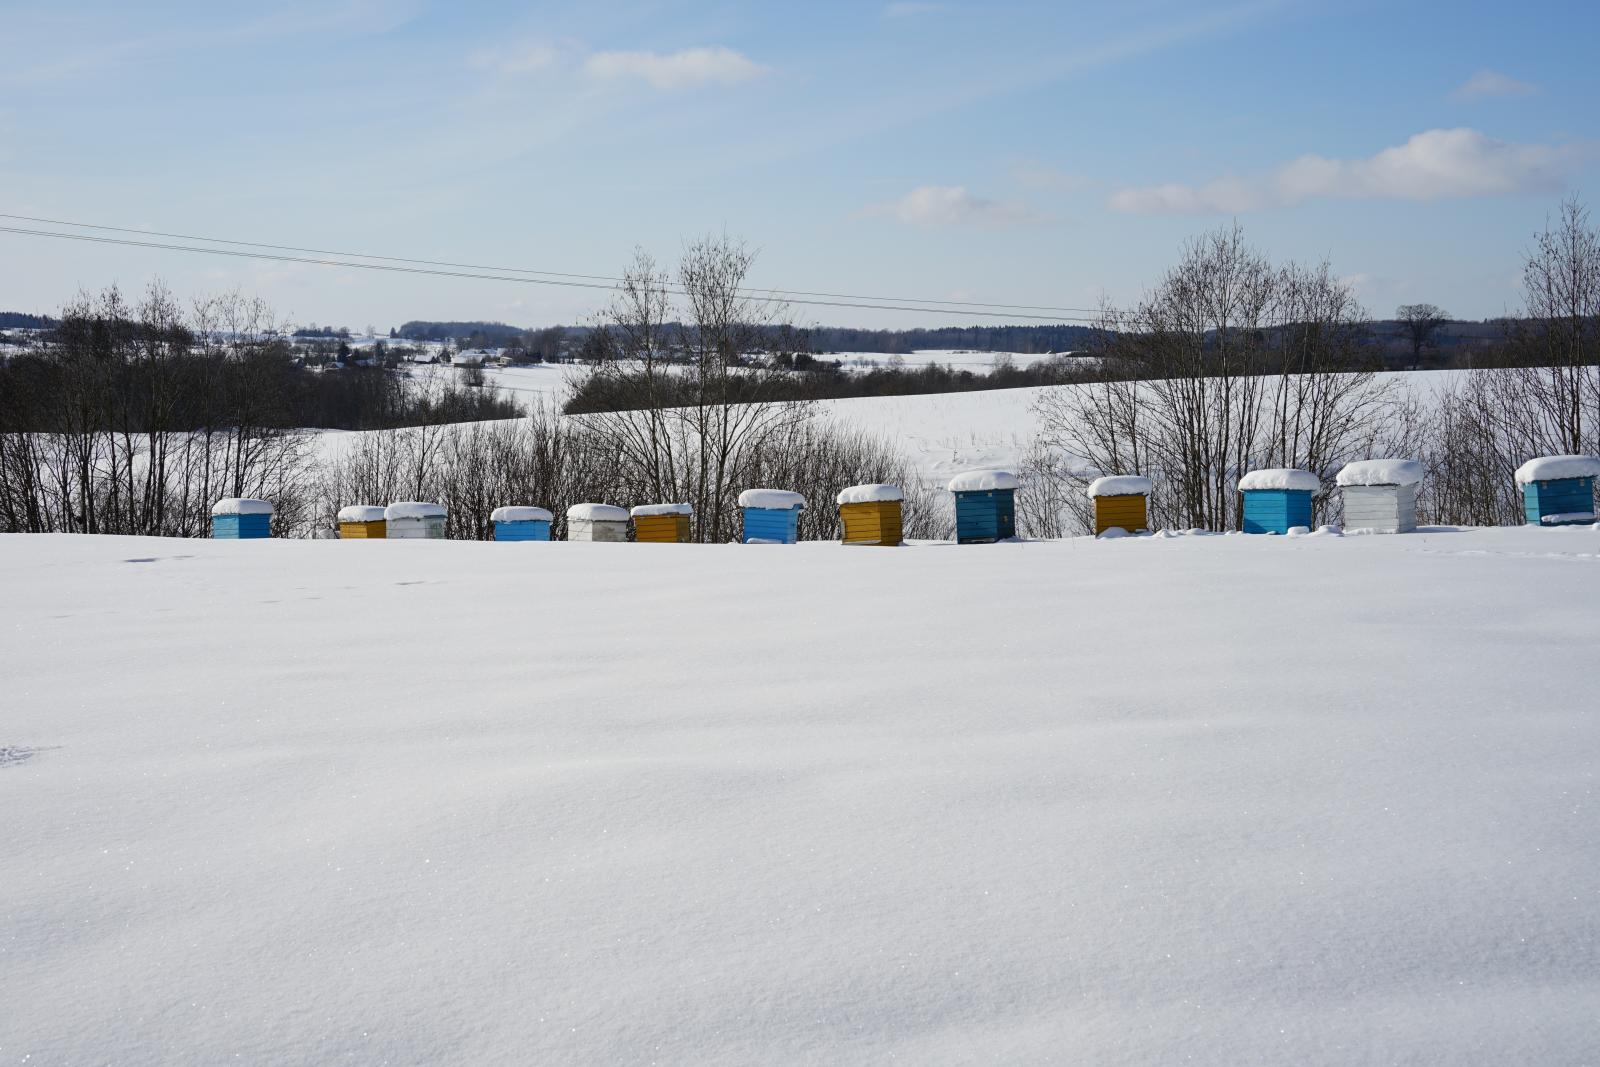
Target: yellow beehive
x=662, y=523
x=362, y=521
x=1120, y=502
x=871, y=514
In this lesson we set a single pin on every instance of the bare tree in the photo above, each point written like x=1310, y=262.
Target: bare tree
x=1229, y=363
x=1421, y=322
x=696, y=388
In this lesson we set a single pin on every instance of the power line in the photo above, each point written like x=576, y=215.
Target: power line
x=857, y=300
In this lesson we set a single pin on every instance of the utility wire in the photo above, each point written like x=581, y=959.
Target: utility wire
x=897, y=300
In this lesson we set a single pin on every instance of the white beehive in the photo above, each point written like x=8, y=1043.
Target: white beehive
x=596, y=522
x=1380, y=495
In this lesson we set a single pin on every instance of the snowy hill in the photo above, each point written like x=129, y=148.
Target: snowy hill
x=1220, y=800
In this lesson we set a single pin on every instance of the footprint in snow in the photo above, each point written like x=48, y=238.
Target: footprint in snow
x=11, y=755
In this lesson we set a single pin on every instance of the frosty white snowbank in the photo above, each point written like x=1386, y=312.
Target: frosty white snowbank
x=1163, y=825
x=521, y=513
x=362, y=513
x=871, y=493
x=597, y=513
x=237, y=505
x=1120, y=485
x=1554, y=468
x=1378, y=472
x=414, y=509
x=771, y=499
x=1282, y=478
x=647, y=510
x=980, y=481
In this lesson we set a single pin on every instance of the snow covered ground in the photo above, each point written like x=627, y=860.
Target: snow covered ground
x=1219, y=800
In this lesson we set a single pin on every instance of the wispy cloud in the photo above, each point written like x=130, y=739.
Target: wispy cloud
x=104, y=55
x=525, y=58
x=933, y=206
x=1491, y=84
x=688, y=69
x=1433, y=165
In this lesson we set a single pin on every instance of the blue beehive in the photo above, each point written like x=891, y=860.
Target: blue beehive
x=1558, y=490
x=237, y=518
x=521, y=523
x=771, y=516
x=986, y=507
x=1277, y=499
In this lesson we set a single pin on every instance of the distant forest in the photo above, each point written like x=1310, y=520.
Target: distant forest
x=823, y=339
x=16, y=320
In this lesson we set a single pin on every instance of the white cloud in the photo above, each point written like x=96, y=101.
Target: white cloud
x=1489, y=84
x=515, y=59
x=953, y=205
x=1433, y=165
x=688, y=69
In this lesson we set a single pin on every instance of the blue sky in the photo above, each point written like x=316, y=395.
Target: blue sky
x=1026, y=153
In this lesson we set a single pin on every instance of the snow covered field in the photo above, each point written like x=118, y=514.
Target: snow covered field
x=974, y=360
x=1220, y=800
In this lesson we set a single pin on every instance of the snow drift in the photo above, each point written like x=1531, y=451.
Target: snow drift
x=1221, y=800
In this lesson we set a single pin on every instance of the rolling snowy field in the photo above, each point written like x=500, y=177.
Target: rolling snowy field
x=1218, y=800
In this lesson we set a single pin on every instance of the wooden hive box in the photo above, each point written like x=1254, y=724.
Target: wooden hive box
x=662, y=523
x=1277, y=500
x=597, y=522
x=240, y=519
x=362, y=522
x=770, y=516
x=986, y=508
x=1380, y=495
x=1558, y=490
x=519, y=522
x=871, y=514
x=414, y=520
x=1121, y=502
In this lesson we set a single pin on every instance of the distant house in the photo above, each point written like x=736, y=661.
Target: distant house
x=474, y=357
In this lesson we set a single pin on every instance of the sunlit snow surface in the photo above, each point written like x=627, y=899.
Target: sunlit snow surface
x=1223, y=800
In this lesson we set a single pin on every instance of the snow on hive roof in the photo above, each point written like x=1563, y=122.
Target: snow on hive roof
x=978, y=481
x=771, y=499
x=361, y=513
x=413, y=509
x=647, y=510
x=1381, y=472
x=597, y=513
x=520, y=513
x=1285, y=478
x=1552, y=468
x=867, y=494
x=241, y=505
x=1120, y=485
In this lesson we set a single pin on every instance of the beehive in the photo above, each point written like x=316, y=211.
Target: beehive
x=362, y=522
x=871, y=514
x=1380, y=495
x=1121, y=502
x=1558, y=490
x=771, y=516
x=237, y=518
x=596, y=522
x=662, y=523
x=1278, y=499
x=411, y=520
x=985, y=506
x=520, y=522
